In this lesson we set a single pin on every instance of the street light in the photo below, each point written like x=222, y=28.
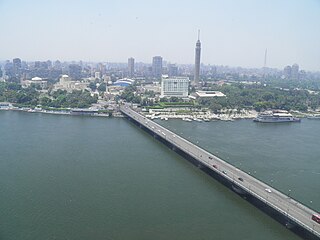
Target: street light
x=289, y=193
x=312, y=221
x=288, y=202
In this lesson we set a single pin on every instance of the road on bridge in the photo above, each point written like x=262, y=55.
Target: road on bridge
x=284, y=204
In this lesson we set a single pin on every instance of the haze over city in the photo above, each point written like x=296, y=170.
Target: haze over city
x=234, y=33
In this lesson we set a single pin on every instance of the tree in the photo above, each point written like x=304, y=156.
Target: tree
x=92, y=86
x=102, y=87
x=215, y=107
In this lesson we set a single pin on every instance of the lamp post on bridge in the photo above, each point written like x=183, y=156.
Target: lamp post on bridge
x=312, y=221
x=288, y=202
x=271, y=182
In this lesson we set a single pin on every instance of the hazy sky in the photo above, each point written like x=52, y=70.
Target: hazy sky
x=233, y=32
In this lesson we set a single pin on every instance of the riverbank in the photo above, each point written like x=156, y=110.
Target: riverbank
x=64, y=112
x=206, y=116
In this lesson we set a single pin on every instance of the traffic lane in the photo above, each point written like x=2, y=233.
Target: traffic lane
x=257, y=187
x=189, y=148
x=273, y=197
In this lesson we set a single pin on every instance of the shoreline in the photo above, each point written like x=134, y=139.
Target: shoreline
x=194, y=117
x=58, y=112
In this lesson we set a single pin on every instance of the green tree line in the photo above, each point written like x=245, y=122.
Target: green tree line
x=14, y=93
x=260, y=97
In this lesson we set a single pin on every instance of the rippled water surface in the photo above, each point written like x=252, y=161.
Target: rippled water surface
x=68, y=177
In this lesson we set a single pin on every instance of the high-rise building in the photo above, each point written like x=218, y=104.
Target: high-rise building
x=197, y=61
x=16, y=63
x=157, y=66
x=175, y=87
x=97, y=75
x=49, y=64
x=37, y=64
x=57, y=64
x=44, y=65
x=131, y=67
x=8, y=69
x=295, y=71
x=287, y=71
x=75, y=71
x=102, y=68
x=172, y=70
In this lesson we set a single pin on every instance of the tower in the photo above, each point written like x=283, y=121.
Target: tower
x=265, y=59
x=197, y=61
x=265, y=64
x=157, y=66
x=295, y=71
x=131, y=67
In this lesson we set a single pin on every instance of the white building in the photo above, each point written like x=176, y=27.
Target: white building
x=97, y=75
x=209, y=94
x=174, y=87
x=36, y=81
x=64, y=79
x=65, y=83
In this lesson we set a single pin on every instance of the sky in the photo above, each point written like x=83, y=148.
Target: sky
x=233, y=32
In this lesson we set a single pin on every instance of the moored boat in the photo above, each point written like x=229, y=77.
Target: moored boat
x=275, y=117
x=314, y=117
x=187, y=119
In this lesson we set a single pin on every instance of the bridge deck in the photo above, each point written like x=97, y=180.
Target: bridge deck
x=295, y=211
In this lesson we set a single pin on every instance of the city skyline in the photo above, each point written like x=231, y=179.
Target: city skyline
x=233, y=33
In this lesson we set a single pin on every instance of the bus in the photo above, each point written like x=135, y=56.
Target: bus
x=316, y=218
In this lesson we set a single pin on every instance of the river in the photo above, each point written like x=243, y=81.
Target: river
x=73, y=177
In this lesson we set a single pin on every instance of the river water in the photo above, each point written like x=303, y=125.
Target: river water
x=70, y=177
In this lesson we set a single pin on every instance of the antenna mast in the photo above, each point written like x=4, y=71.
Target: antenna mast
x=265, y=58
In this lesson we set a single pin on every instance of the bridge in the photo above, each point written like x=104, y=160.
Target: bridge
x=289, y=212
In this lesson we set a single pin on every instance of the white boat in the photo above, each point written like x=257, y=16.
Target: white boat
x=187, y=119
x=197, y=119
x=314, y=117
x=275, y=117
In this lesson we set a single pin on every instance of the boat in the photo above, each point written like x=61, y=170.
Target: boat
x=314, y=117
x=187, y=119
x=83, y=111
x=275, y=117
x=206, y=119
x=197, y=119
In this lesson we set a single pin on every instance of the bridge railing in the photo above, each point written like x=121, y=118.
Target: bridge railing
x=207, y=163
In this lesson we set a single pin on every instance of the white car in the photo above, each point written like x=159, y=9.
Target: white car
x=268, y=190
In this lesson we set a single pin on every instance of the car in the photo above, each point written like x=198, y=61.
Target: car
x=215, y=166
x=240, y=179
x=268, y=190
x=210, y=157
x=224, y=172
x=316, y=218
